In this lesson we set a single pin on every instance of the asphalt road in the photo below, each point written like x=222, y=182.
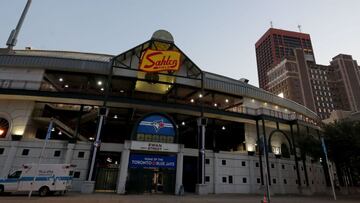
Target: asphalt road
x=228, y=198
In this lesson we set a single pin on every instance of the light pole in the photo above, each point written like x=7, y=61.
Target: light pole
x=327, y=164
x=265, y=169
x=11, y=42
x=202, y=122
x=103, y=112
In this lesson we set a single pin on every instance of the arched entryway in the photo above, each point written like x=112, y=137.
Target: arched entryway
x=280, y=144
x=4, y=127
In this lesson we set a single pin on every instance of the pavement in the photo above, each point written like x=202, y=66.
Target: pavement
x=187, y=198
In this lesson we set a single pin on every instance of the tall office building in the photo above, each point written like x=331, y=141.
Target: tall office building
x=291, y=79
x=296, y=76
x=276, y=44
x=345, y=76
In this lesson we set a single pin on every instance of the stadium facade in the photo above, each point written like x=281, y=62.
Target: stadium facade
x=155, y=104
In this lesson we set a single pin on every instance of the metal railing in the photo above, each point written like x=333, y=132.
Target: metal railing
x=271, y=112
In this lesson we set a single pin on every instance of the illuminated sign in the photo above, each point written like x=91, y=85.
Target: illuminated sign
x=156, y=61
x=156, y=128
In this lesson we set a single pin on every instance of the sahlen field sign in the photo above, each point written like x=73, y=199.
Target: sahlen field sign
x=157, y=61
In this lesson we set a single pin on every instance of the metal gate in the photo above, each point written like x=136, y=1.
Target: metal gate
x=106, y=179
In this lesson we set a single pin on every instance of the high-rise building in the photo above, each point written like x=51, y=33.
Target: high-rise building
x=276, y=44
x=345, y=74
x=296, y=76
x=321, y=88
x=292, y=80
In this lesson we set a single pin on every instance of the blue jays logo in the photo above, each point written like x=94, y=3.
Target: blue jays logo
x=156, y=125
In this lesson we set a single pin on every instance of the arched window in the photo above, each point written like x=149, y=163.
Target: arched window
x=4, y=127
x=280, y=144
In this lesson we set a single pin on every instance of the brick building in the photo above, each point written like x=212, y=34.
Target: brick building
x=276, y=44
x=296, y=76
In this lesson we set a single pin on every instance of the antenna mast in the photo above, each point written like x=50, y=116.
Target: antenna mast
x=11, y=42
x=271, y=24
x=299, y=27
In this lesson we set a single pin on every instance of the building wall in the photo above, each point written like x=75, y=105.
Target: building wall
x=323, y=82
x=229, y=172
x=226, y=172
x=21, y=78
x=285, y=79
x=305, y=86
x=18, y=114
x=347, y=68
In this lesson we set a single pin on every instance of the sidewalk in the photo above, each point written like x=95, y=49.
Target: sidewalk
x=189, y=198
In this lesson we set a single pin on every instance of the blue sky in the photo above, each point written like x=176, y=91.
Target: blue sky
x=218, y=35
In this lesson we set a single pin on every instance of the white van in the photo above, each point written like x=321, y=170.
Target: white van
x=49, y=178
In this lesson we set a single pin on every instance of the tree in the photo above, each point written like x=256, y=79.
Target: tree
x=343, y=142
x=309, y=146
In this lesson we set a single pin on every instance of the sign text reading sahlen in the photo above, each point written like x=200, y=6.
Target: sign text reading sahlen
x=156, y=61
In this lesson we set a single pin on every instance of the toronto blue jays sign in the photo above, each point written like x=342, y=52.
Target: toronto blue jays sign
x=156, y=128
x=151, y=161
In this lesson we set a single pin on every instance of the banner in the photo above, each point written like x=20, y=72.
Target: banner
x=152, y=161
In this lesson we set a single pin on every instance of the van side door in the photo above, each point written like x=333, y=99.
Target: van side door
x=12, y=182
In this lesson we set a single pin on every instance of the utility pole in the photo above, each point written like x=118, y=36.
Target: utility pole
x=299, y=27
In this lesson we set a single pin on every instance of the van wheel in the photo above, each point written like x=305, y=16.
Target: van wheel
x=1, y=189
x=43, y=191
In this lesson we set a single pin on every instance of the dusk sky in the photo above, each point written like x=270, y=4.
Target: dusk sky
x=219, y=36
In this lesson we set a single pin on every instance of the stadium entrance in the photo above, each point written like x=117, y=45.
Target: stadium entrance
x=151, y=173
x=107, y=170
x=153, y=159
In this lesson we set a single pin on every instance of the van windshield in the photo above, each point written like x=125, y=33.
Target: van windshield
x=16, y=174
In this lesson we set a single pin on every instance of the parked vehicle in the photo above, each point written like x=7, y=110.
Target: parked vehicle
x=43, y=178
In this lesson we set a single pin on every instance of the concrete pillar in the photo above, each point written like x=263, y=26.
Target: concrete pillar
x=123, y=172
x=215, y=166
x=179, y=173
x=279, y=171
x=11, y=155
x=252, y=175
x=69, y=153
